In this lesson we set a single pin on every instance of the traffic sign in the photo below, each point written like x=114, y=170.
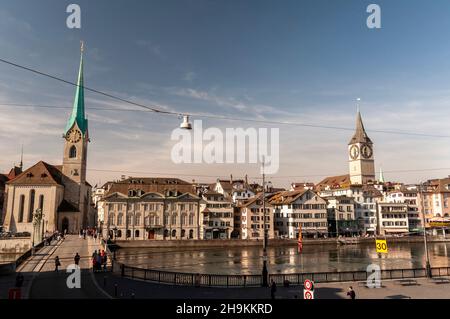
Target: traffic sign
x=308, y=284
x=308, y=294
x=381, y=246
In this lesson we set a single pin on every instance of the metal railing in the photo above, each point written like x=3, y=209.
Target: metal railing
x=215, y=280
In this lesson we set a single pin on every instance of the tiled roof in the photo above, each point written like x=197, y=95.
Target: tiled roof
x=148, y=185
x=287, y=197
x=334, y=182
x=41, y=173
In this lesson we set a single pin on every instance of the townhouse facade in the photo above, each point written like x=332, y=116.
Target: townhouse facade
x=254, y=220
x=304, y=208
x=216, y=216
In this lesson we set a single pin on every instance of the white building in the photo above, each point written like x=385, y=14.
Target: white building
x=393, y=218
x=216, y=216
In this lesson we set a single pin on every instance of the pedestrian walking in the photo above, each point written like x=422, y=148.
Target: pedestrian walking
x=95, y=238
x=57, y=263
x=81, y=233
x=84, y=234
x=351, y=293
x=76, y=259
x=273, y=289
x=19, y=280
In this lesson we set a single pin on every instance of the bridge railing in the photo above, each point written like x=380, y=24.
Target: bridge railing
x=216, y=280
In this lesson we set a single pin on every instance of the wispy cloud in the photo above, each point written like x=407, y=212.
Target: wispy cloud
x=150, y=46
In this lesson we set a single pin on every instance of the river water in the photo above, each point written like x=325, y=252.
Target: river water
x=314, y=258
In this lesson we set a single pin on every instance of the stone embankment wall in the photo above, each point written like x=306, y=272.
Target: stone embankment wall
x=255, y=243
x=15, y=245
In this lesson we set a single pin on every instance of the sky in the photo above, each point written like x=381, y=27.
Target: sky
x=299, y=61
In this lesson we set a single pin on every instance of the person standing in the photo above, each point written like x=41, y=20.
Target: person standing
x=351, y=293
x=84, y=234
x=77, y=259
x=57, y=263
x=95, y=238
x=273, y=289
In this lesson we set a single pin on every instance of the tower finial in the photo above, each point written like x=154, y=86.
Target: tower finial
x=358, y=100
x=81, y=46
x=21, y=159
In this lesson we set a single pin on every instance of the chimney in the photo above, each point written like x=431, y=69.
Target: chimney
x=246, y=179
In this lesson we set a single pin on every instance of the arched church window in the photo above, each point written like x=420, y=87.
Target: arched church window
x=73, y=152
x=31, y=206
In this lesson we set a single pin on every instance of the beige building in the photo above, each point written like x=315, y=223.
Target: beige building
x=216, y=216
x=151, y=209
x=60, y=192
x=252, y=217
x=295, y=208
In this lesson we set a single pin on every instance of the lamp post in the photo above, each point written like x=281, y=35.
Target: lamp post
x=264, y=270
x=428, y=266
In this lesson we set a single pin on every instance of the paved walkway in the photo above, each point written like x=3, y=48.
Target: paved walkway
x=53, y=285
x=128, y=288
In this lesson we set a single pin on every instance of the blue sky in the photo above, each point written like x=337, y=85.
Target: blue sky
x=304, y=61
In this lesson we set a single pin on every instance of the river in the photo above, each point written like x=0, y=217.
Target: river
x=314, y=258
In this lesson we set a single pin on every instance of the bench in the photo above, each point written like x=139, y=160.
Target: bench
x=440, y=280
x=408, y=282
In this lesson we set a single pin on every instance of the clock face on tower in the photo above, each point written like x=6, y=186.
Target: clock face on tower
x=366, y=151
x=354, y=152
x=73, y=136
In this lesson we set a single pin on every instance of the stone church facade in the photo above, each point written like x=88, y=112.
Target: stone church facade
x=60, y=192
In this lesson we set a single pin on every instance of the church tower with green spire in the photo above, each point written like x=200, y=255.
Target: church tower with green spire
x=76, y=135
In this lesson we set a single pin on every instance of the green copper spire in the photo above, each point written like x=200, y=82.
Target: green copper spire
x=78, y=115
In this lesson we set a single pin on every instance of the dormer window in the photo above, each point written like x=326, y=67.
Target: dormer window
x=29, y=175
x=43, y=175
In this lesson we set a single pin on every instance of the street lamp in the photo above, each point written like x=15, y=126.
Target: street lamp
x=264, y=270
x=428, y=266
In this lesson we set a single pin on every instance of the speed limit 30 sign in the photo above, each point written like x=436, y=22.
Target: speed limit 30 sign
x=381, y=246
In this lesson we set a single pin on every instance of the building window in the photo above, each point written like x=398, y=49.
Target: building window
x=183, y=233
x=166, y=219
x=191, y=234
x=119, y=219
x=119, y=233
x=174, y=233
x=41, y=202
x=183, y=220
x=166, y=233
x=73, y=152
x=128, y=233
x=174, y=218
x=136, y=234
x=31, y=206
x=138, y=220
x=21, y=207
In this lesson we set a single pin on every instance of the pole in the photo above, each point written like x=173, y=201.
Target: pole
x=336, y=216
x=264, y=271
x=428, y=266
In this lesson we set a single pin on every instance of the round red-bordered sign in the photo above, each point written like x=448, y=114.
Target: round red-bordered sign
x=308, y=295
x=308, y=284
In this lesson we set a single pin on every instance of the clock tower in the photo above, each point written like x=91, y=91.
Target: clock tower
x=360, y=155
x=76, y=136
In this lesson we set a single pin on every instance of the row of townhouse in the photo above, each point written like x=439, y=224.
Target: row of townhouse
x=165, y=208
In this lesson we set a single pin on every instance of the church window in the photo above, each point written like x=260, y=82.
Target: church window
x=41, y=202
x=21, y=207
x=31, y=206
x=73, y=152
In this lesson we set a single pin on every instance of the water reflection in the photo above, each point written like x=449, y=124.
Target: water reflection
x=317, y=258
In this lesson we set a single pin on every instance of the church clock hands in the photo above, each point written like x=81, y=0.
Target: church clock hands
x=354, y=152
x=366, y=151
x=73, y=136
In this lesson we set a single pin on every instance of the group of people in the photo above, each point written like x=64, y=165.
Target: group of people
x=92, y=232
x=99, y=260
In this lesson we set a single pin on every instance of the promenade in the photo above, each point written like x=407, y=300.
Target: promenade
x=42, y=282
